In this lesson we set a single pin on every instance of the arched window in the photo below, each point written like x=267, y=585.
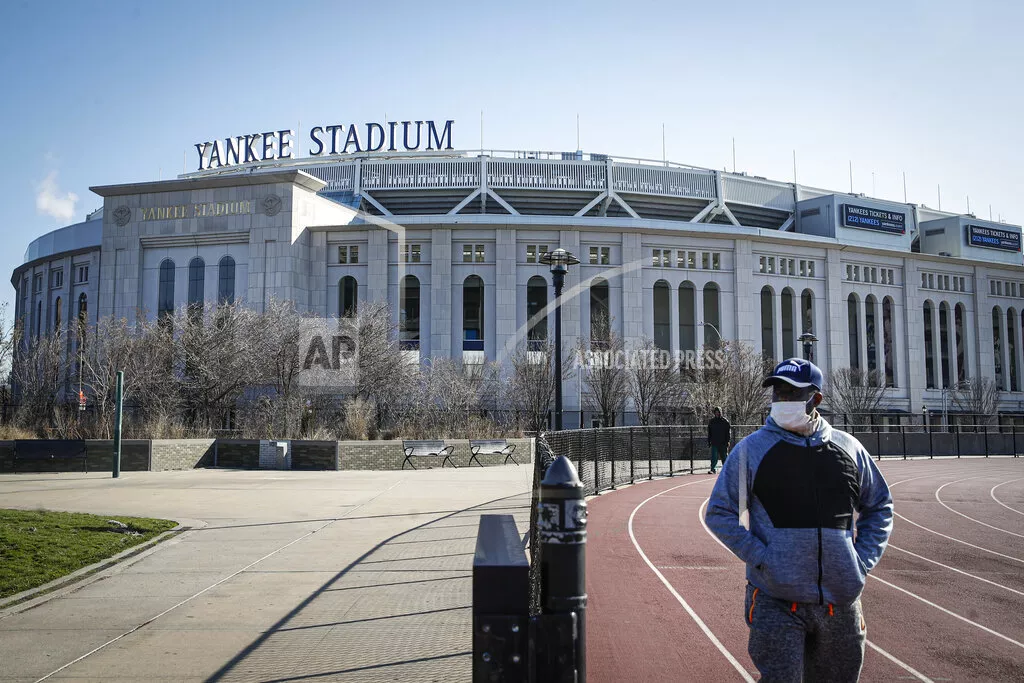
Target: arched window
x=767, y=322
x=1011, y=347
x=687, y=311
x=944, y=368
x=348, y=297
x=165, y=293
x=888, y=330
x=196, y=285
x=929, y=350
x=959, y=313
x=997, y=347
x=57, y=315
x=226, y=280
x=536, y=300
x=712, y=315
x=409, y=313
x=870, y=320
x=788, y=335
x=853, y=326
x=473, y=314
x=600, y=314
x=662, y=316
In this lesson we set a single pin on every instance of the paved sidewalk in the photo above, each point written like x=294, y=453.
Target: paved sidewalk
x=323, y=576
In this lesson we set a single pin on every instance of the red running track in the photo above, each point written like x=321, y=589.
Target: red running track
x=946, y=603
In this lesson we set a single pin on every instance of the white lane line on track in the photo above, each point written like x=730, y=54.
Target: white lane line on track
x=992, y=493
x=976, y=521
x=951, y=613
x=958, y=571
x=976, y=547
x=903, y=665
x=226, y=578
x=689, y=610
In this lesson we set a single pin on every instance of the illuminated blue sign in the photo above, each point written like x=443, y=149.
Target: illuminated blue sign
x=874, y=219
x=993, y=238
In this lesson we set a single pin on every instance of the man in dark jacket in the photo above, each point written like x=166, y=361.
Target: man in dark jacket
x=784, y=505
x=719, y=436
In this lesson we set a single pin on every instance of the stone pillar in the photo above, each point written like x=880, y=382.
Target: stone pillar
x=862, y=334
x=698, y=317
x=1004, y=349
x=674, y=320
x=441, y=319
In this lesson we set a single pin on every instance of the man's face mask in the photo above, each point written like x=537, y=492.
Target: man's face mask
x=792, y=415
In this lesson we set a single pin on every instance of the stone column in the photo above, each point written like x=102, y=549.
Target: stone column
x=777, y=326
x=862, y=334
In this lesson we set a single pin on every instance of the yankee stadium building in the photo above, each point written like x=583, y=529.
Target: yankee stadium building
x=672, y=253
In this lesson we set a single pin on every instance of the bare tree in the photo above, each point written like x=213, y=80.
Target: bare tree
x=383, y=373
x=603, y=370
x=143, y=353
x=653, y=382
x=979, y=397
x=220, y=355
x=39, y=371
x=730, y=377
x=854, y=392
x=531, y=385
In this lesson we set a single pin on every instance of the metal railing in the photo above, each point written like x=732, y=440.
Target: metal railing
x=613, y=456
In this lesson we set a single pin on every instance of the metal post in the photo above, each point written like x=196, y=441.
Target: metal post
x=691, y=449
x=597, y=470
x=559, y=276
x=118, y=407
x=562, y=522
x=632, y=458
x=650, y=458
x=671, y=469
x=903, y=439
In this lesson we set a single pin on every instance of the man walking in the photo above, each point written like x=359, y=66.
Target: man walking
x=719, y=436
x=784, y=505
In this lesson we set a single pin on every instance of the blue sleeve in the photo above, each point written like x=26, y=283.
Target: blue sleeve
x=723, y=513
x=875, y=512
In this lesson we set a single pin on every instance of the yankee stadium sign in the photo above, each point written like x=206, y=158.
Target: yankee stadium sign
x=392, y=136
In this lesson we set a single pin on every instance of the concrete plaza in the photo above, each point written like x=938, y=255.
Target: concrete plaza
x=348, y=576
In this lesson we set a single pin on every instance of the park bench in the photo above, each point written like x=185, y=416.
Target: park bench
x=35, y=450
x=491, y=447
x=427, y=449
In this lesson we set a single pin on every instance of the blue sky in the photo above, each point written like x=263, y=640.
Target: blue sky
x=107, y=92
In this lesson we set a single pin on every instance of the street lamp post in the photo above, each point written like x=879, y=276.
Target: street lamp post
x=559, y=260
x=717, y=332
x=807, y=338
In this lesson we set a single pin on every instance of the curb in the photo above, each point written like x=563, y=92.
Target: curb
x=33, y=597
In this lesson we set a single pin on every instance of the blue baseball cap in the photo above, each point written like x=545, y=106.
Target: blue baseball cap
x=796, y=371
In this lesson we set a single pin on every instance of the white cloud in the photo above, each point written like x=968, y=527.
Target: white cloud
x=50, y=201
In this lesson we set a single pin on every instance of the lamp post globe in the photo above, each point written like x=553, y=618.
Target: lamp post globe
x=807, y=338
x=559, y=260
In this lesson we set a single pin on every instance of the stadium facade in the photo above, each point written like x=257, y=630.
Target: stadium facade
x=673, y=253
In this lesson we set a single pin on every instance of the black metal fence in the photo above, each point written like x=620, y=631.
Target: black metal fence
x=612, y=456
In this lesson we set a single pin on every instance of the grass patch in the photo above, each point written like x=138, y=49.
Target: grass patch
x=37, y=546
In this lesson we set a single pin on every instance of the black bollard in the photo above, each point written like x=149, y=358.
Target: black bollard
x=562, y=523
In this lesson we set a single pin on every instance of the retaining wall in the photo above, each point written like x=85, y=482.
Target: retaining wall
x=181, y=454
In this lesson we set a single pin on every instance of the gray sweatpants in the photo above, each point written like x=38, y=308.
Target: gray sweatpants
x=793, y=642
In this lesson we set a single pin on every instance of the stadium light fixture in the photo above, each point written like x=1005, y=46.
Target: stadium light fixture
x=559, y=260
